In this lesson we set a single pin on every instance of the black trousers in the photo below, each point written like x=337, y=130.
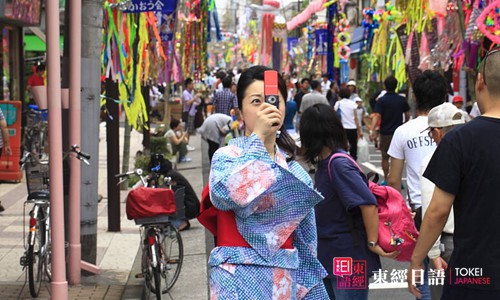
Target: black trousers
x=212, y=147
x=352, y=138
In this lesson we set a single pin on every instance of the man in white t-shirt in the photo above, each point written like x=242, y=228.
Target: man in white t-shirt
x=411, y=144
x=349, y=118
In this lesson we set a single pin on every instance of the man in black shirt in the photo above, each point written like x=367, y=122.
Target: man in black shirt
x=464, y=169
x=390, y=109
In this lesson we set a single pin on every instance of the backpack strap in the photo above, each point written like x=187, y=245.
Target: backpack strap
x=340, y=154
x=350, y=221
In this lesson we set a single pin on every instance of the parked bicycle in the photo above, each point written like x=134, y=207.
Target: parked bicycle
x=37, y=255
x=36, y=131
x=155, y=206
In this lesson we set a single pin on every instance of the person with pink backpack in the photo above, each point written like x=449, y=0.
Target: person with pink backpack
x=347, y=219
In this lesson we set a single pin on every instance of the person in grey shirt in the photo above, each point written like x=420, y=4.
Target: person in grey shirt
x=214, y=130
x=314, y=97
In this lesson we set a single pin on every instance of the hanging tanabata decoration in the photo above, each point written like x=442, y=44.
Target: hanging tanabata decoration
x=132, y=53
x=279, y=35
x=489, y=22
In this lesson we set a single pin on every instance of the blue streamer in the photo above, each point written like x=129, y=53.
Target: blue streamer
x=344, y=71
x=330, y=56
x=213, y=14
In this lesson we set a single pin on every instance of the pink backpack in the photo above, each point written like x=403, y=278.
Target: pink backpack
x=396, y=230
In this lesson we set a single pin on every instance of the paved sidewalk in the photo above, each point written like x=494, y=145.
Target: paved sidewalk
x=118, y=254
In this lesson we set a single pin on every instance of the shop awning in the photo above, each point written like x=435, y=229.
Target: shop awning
x=34, y=43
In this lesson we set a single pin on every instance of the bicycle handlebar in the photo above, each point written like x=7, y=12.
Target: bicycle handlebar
x=137, y=172
x=125, y=175
x=24, y=159
x=82, y=156
x=144, y=179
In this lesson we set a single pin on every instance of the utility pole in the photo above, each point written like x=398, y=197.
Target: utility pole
x=92, y=18
x=113, y=152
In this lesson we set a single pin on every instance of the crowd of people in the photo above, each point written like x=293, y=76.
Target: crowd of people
x=288, y=239
x=287, y=228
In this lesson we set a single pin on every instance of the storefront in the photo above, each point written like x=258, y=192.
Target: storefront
x=14, y=15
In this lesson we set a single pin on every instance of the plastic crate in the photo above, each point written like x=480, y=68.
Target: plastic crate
x=37, y=175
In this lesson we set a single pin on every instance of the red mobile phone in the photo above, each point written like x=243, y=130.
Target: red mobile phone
x=271, y=93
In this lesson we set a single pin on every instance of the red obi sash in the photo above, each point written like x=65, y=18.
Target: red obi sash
x=222, y=224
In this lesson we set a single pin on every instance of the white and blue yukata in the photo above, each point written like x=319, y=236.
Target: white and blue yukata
x=271, y=200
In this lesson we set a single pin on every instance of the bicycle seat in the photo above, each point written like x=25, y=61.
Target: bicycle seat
x=39, y=195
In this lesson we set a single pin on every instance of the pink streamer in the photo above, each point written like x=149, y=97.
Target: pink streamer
x=267, y=38
x=312, y=8
x=424, y=53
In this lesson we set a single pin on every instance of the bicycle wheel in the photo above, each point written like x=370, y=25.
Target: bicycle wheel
x=172, y=254
x=36, y=259
x=151, y=271
x=48, y=253
x=157, y=274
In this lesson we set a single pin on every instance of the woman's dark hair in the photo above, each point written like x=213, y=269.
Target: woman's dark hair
x=319, y=127
x=249, y=76
x=174, y=123
x=430, y=89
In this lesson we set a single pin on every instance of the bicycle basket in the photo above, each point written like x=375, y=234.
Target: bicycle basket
x=37, y=175
x=145, y=202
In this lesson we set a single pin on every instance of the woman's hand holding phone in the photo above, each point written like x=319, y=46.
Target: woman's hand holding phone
x=269, y=121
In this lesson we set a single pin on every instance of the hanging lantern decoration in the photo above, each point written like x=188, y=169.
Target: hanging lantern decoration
x=279, y=34
x=344, y=52
x=344, y=38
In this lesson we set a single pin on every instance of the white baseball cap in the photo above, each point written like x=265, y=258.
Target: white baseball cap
x=351, y=82
x=445, y=115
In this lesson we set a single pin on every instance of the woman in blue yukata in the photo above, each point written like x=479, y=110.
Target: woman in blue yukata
x=266, y=229
x=348, y=217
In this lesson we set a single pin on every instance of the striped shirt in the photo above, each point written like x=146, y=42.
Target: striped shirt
x=224, y=101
